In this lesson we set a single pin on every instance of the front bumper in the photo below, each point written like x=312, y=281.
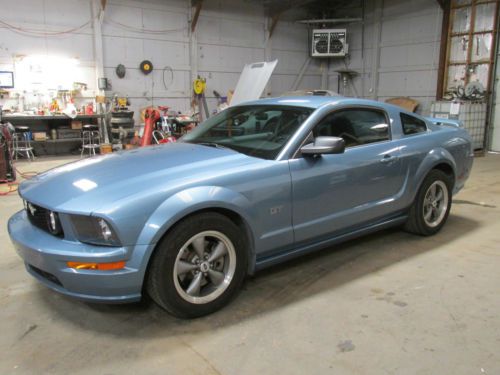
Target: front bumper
x=46, y=258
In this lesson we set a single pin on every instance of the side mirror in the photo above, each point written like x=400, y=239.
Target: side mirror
x=324, y=145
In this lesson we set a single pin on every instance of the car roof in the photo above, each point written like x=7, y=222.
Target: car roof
x=315, y=102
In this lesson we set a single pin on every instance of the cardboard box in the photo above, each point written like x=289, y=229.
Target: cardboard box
x=76, y=125
x=39, y=136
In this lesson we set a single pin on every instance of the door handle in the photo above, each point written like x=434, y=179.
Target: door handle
x=388, y=159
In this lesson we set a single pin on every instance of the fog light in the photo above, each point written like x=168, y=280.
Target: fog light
x=97, y=266
x=53, y=223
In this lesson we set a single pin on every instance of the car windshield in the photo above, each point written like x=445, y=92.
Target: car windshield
x=255, y=130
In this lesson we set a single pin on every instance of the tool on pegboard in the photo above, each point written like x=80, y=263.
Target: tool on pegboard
x=199, y=86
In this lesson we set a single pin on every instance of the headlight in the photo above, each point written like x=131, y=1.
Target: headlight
x=94, y=230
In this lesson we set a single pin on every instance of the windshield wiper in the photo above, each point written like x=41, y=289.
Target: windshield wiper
x=211, y=144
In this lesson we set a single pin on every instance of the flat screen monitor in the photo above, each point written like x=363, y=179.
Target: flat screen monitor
x=6, y=80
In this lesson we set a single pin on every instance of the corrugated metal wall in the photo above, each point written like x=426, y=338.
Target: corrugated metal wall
x=399, y=58
x=401, y=51
x=38, y=15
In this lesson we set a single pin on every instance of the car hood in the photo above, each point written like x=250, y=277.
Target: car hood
x=91, y=184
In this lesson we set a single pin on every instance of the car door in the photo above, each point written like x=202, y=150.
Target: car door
x=339, y=192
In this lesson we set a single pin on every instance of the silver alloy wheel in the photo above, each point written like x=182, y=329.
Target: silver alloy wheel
x=204, y=267
x=435, y=203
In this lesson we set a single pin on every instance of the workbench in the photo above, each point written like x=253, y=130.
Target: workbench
x=42, y=123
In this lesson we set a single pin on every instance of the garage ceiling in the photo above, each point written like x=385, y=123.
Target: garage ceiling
x=314, y=8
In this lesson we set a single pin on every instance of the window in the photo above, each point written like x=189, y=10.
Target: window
x=356, y=126
x=255, y=130
x=471, y=40
x=412, y=125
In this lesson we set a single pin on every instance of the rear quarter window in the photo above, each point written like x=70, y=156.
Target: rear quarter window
x=412, y=125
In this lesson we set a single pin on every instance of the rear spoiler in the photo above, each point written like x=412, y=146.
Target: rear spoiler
x=446, y=121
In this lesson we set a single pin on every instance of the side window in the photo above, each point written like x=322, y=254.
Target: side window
x=356, y=126
x=412, y=125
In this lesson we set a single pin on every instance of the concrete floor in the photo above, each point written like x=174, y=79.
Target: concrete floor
x=389, y=303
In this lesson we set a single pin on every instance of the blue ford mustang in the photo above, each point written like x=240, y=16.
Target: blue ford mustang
x=256, y=185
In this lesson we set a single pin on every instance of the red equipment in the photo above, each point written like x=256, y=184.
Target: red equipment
x=169, y=139
x=7, y=170
x=164, y=108
x=151, y=115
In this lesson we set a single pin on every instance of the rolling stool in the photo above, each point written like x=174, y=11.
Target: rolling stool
x=21, y=143
x=90, y=139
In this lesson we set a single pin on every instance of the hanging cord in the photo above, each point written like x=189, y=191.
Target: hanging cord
x=25, y=175
x=40, y=33
x=171, y=71
x=141, y=30
x=13, y=185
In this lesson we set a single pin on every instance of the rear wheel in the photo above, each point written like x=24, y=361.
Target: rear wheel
x=198, y=267
x=432, y=204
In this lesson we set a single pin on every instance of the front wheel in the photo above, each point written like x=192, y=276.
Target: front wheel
x=432, y=204
x=198, y=267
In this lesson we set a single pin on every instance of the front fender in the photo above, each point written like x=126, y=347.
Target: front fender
x=189, y=201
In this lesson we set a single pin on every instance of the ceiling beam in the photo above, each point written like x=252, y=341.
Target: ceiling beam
x=443, y=49
x=275, y=6
x=331, y=20
x=274, y=22
x=443, y=3
x=278, y=7
x=197, y=10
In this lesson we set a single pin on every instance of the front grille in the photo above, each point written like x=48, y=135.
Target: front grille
x=45, y=275
x=39, y=217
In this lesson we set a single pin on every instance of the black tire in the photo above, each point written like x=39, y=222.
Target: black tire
x=416, y=223
x=161, y=285
x=123, y=122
